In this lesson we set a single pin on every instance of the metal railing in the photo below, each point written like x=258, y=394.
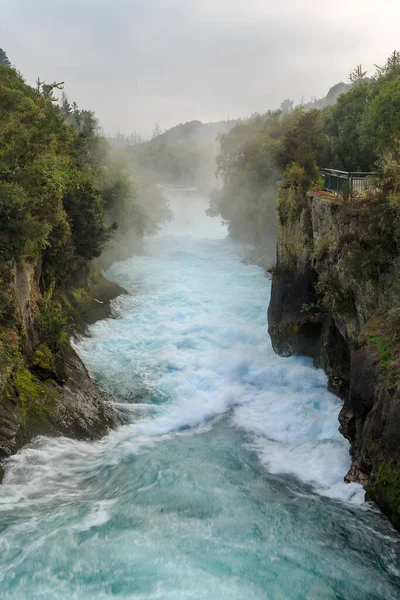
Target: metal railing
x=348, y=183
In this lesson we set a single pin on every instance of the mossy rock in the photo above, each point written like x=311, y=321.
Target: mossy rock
x=1, y=473
x=38, y=400
x=79, y=295
x=386, y=490
x=43, y=359
x=93, y=302
x=285, y=337
x=9, y=347
x=380, y=334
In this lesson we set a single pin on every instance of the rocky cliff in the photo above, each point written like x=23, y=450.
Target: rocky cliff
x=44, y=387
x=335, y=298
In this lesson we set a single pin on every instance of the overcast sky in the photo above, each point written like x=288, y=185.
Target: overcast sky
x=139, y=61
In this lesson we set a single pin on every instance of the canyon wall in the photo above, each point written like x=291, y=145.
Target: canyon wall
x=335, y=298
x=44, y=387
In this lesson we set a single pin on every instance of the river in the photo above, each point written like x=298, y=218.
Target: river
x=227, y=482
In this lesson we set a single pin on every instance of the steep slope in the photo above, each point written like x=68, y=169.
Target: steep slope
x=44, y=387
x=335, y=298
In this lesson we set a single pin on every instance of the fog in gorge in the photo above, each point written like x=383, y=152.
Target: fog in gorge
x=178, y=139
x=147, y=67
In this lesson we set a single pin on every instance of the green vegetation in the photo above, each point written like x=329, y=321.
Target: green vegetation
x=182, y=155
x=10, y=356
x=385, y=349
x=284, y=150
x=91, y=302
x=65, y=196
x=64, y=193
x=67, y=199
x=386, y=489
x=4, y=60
x=36, y=399
x=292, y=195
x=43, y=358
x=253, y=158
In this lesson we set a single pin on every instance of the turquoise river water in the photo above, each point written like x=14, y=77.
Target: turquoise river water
x=227, y=483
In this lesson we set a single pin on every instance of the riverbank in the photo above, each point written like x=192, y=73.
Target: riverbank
x=45, y=388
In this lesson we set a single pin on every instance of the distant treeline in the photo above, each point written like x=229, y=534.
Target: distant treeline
x=184, y=154
x=354, y=134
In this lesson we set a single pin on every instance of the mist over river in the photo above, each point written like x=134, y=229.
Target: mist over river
x=227, y=484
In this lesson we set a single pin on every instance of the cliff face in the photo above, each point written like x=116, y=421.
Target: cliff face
x=335, y=298
x=44, y=386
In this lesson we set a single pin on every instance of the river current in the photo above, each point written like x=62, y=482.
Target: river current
x=226, y=483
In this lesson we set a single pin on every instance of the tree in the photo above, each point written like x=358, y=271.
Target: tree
x=380, y=126
x=357, y=75
x=4, y=60
x=156, y=131
x=248, y=166
x=287, y=106
x=303, y=140
x=65, y=105
x=335, y=92
x=85, y=209
x=48, y=89
x=343, y=122
x=390, y=69
x=389, y=174
x=39, y=84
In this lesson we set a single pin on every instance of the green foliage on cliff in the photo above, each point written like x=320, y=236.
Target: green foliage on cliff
x=292, y=192
x=52, y=321
x=43, y=358
x=10, y=355
x=36, y=400
x=386, y=490
x=354, y=134
x=251, y=162
x=4, y=60
x=65, y=196
x=63, y=192
x=357, y=264
x=343, y=130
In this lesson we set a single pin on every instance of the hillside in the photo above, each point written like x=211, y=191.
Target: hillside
x=183, y=155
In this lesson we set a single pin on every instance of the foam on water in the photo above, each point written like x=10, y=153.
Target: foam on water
x=193, y=332
x=228, y=483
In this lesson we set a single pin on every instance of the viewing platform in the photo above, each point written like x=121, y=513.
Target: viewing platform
x=342, y=183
